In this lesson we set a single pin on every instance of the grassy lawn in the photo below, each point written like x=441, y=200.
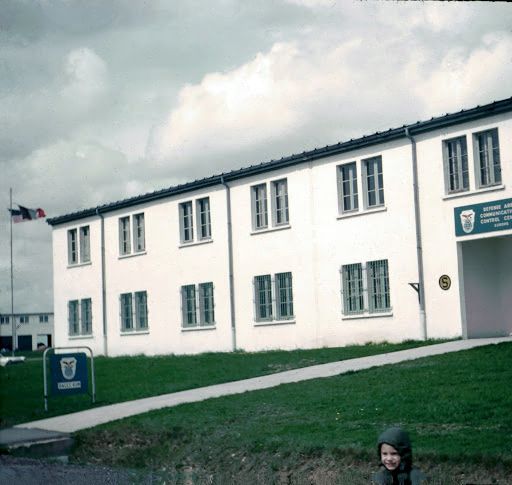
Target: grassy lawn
x=126, y=378
x=457, y=408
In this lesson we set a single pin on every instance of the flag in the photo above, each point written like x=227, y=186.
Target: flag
x=24, y=214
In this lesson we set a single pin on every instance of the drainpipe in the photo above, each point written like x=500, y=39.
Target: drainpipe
x=419, y=248
x=103, y=284
x=230, y=264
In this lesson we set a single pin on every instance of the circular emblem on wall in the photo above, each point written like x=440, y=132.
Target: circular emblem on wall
x=445, y=282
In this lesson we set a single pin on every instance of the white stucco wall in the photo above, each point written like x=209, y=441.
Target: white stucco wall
x=443, y=308
x=313, y=247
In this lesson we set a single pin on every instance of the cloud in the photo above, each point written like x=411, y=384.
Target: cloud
x=86, y=79
x=465, y=79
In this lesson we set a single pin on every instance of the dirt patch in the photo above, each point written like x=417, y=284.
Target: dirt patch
x=321, y=468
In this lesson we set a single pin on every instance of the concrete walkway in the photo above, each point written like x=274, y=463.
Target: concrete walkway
x=92, y=417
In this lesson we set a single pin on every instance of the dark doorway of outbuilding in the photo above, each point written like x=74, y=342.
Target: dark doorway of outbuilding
x=24, y=342
x=485, y=269
x=6, y=343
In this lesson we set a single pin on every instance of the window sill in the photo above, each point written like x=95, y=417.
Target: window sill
x=466, y=193
x=292, y=321
x=195, y=243
x=198, y=328
x=132, y=255
x=81, y=337
x=134, y=332
x=367, y=315
x=270, y=229
x=79, y=265
x=364, y=212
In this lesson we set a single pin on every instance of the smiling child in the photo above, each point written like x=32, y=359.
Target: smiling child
x=395, y=453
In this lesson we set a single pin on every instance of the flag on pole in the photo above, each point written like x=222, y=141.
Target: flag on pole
x=24, y=214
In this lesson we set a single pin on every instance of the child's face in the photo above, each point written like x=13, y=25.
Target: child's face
x=389, y=457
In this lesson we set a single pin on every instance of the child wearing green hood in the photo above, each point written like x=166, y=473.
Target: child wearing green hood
x=395, y=454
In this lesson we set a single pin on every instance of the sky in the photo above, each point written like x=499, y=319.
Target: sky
x=102, y=100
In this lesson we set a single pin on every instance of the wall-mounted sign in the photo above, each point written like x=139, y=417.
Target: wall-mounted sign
x=486, y=217
x=445, y=282
x=69, y=373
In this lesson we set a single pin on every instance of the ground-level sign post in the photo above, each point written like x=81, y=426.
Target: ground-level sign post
x=69, y=373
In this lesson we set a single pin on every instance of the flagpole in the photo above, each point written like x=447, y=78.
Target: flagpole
x=13, y=345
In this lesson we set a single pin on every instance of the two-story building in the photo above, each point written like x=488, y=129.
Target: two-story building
x=32, y=330
x=402, y=234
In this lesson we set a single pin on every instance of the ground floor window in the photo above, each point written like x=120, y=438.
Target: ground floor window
x=134, y=311
x=365, y=288
x=273, y=297
x=197, y=305
x=80, y=317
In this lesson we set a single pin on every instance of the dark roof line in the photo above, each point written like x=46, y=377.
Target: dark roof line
x=391, y=134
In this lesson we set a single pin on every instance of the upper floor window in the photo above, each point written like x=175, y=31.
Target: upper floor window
x=347, y=183
x=279, y=205
x=24, y=318
x=4, y=320
x=280, y=214
x=125, y=234
x=203, y=217
x=79, y=245
x=273, y=297
x=455, y=154
x=486, y=150
x=197, y=305
x=365, y=288
x=80, y=317
x=43, y=318
x=372, y=185
x=134, y=311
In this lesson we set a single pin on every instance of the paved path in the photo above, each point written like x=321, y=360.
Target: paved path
x=92, y=417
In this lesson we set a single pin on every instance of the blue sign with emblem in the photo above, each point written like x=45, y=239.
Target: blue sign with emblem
x=485, y=217
x=69, y=373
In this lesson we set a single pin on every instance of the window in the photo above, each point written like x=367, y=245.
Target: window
x=347, y=187
x=79, y=317
x=455, y=155
x=4, y=320
x=134, y=305
x=202, y=216
x=487, y=158
x=141, y=310
x=279, y=205
x=378, y=286
x=197, y=301
x=138, y=233
x=73, y=318
x=204, y=229
x=372, y=185
x=85, y=245
x=284, y=294
x=266, y=307
x=365, y=289
x=79, y=250
x=86, y=316
x=23, y=318
x=186, y=222
x=280, y=214
x=125, y=236
x=259, y=207
x=43, y=318
x=72, y=247
x=373, y=182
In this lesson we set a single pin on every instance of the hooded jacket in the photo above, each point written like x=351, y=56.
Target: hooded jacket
x=405, y=474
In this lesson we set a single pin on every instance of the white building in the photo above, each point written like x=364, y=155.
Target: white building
x=398, y=235
x=31, y=329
